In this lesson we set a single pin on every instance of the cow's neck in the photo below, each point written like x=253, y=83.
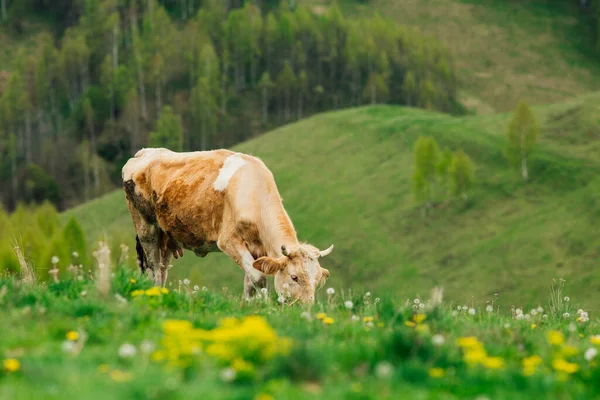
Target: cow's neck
x=280, y=231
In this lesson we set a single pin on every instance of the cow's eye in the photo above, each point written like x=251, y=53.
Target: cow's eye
x=294, y=278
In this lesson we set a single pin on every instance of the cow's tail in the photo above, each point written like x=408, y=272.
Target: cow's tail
x=141, y=255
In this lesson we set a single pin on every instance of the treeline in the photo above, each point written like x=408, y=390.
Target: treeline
x=126, y=74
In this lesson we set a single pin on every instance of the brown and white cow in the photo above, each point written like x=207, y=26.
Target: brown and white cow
x=220, y=200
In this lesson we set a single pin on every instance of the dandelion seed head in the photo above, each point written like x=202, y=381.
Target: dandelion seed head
x=68, y=346
x=416, y=301
x=518, y=311
x=127, y=350
x=355, y=318
x=186, y=282
x=204, y=288
x=567, y=299
x=54, y=260
x=227, y=374
x=147, y=347
x=196, y=288
x=566, y=315
x=533, y=312
x=454, y=313
x=472, y=311
x=590, y=354
x=544, y=316
x=437, y=339
x=264, y=290
x=421, y=305
x=348, y=304
x=383, y=369
x=489, y=308
x=540, y=310
x=330, y=291
x=465, y=308
x=281, y=299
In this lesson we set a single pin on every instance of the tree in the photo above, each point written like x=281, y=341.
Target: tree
x=522, y=135
x=461, y=173
x=427, y=154
x=265, y=85
x=286, y=82
x=443, y=166
x=168, y=132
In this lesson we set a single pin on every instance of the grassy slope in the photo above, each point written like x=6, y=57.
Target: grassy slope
x=351, y=358
x=345, y=179
x=503, y=50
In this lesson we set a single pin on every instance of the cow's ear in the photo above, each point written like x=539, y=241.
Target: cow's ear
x=269, y=265
x=324, y=276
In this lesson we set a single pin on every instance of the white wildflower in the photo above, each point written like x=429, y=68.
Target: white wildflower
x=520, y=316
x=506, y=325
x=533, y=312
x=186, y=282
x=377, y=300
x=368, y=294
x=566, y=315
x=579, y=311
x=437, y=340
x=544, y=316
x=465, y=308
x=68, y=346
x=416, y=301
x=147, y=347
x=383, y=369
x=196, y=288
x=489, y=308
x=305, y=315
x=567, y=299
x=518, y=311
x=590, y=354
x=348, y=304
x=204, y=288
x=127, y=350
x=264, y=291
x=227, y=374
x=527, y=316
x=472, y=311
x=421, y=305
x=355, y=318
x=75, y=254
x=258, y=296
x=454, y=313
x=370, y=324
x=540, y=310
x=572, y=327
x=330, y=291
x=281, y=299
x=55, y=260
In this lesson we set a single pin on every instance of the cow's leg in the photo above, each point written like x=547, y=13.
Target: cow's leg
x=165, y=254
x=148, y=235
x=254, y=279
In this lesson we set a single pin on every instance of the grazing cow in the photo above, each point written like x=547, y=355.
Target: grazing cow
x=211, y=201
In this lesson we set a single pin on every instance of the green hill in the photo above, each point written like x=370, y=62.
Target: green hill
x=345, y=179
x=503, y=51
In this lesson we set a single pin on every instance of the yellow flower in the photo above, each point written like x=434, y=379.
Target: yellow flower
x=72, y=335
x=475, y=356
x=153, y=291
x=242, y=367
x=11, y=364
x=164, y=290
x=264, y=396
x=120, y=376
x=409, y=323
x=468, y=342
x=321, y=315
x=556, y=338
x=595, y=339
x=532, y=361
x=436, y=372
x=422, y=328
x=368, y=319
x=533, y=326
x=493, y=363
x=328, y=320
x=131, y=280
x=137, y=293
x=172, y=326
x=561, y=365
x=418, y=318
x=158, y=356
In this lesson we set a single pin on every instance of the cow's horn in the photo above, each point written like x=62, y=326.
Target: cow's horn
x=326, y=251
x=284, y=250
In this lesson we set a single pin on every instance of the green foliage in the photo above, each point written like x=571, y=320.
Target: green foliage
x=36, y=186
x=461, y=173
x=168, y=132
x=522, y=135
x=426, y=155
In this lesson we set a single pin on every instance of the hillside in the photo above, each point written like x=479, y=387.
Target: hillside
x=345, y=179
x=503, y=51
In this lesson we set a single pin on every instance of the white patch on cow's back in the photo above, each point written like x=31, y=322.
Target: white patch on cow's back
x=229, y=168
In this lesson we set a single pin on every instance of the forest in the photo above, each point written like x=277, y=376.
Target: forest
x=114, y=76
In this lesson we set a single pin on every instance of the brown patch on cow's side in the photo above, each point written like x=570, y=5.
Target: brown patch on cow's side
x=143, y=206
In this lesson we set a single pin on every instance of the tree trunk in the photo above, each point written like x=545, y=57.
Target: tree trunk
x=300, y=105
x=28, y=156
x=287, y=104
x=4, y=14
x=13, y=170
x=265, y=110
x=524, y=171
x=86, y=175
x=158, y=98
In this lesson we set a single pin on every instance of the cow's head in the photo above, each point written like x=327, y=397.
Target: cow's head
x=297, y=273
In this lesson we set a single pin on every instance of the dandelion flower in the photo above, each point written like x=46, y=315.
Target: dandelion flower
x=355, y=318
x=186, y=282
x=196, y=288
x=567, y=299
x=533, y=312
x=561, y=365
x=595, y=339
x=330, y=291
x=127, y=350
x=227, y=374
x=493, y=363
x=555, y=338
x=11, y=364
x=436, y=372
x=368, y=319
x=328, y=320
x=72, y=335
x=533, y=326
x=437, y=340
x=472, y=311
x=383, y=369
x=459, y=308
x=348, y=304
x=566, y=315
x=55, y=260
x=590, y=354
x=131, y=280
x=420, y=305
x=409, y=323
x=489, y=308
x=416, y=301
x=321, y=315
x=121, y=376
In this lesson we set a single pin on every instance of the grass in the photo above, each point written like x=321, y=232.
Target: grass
x=66, y=339
x=345, y=178
x=503, y=51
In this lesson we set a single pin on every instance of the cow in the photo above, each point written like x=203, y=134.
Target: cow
x=218, y=201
